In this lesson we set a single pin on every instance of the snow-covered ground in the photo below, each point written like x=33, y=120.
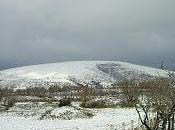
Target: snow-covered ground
x=31, y=116
x=105, y=119
x=106, y=72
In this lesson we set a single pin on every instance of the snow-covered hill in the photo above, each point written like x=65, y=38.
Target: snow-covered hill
x=106, y=72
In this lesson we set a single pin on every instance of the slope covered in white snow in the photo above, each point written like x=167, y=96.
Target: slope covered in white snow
x=106, y=72
x=103, y=119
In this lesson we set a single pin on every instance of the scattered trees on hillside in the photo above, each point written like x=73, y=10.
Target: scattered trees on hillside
x=6, y=97
x=155, y=97
x=130, y=92
x=5, y=92
x=1, y=94
x=36, y=91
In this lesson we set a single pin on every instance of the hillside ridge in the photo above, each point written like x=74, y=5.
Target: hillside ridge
x=106, y=72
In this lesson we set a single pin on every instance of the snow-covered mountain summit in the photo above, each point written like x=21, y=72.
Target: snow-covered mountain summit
x=106, y=72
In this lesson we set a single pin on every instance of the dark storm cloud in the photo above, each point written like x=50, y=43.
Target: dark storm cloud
x=41, y=31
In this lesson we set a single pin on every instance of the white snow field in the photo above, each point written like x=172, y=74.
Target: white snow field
x=106, y=72
x=105, y=119
x=71, y=117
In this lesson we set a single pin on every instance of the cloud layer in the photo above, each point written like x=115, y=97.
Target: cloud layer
x=42, y=31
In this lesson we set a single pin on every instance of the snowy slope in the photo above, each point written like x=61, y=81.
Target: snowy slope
x=106, y=72
x=105, y=119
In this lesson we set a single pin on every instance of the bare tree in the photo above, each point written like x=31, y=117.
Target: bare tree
x=152, y=97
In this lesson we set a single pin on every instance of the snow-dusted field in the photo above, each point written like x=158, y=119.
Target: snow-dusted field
x=107, y=72
x=105, y=119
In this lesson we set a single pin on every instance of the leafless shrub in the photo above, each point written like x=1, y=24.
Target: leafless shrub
x=153, y=96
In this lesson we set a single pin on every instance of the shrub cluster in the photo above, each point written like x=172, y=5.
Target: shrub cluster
x=95, y=104
x=64, y=102
x=9, y=102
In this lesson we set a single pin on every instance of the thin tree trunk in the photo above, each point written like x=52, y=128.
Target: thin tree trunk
x=164, y=124
x=172, y=123
x=169, y=122
x=142, y=121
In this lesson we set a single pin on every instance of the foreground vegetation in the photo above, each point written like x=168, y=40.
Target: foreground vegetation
x=153, y=99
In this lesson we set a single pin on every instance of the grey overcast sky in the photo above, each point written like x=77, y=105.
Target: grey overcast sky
x=43, y=31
